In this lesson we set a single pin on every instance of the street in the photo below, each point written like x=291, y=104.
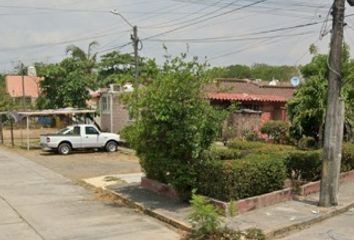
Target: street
x=37, y=203
x=337, y=228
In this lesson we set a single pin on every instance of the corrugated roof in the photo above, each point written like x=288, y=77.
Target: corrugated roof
x=247, y=90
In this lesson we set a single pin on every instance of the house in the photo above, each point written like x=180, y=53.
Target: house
x=27, y=86
x=113, y=114
x=258, y=101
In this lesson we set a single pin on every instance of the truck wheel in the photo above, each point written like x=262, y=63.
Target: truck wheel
x=64, y=148
x=111, y=146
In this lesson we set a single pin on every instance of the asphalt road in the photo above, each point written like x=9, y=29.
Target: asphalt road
x=338, y=228
x=39, y=204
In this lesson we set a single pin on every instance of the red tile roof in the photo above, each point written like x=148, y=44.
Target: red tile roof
x=14, y=86
x=247, y=90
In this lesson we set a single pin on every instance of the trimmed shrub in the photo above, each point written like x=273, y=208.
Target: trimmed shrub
x=276, y=130
x=304, y=165
x=222, y=153
x=244, y=145
x=307, y=143
x=347, y=157
x=252, y=176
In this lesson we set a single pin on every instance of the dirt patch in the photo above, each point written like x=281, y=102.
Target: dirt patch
x=80, y=165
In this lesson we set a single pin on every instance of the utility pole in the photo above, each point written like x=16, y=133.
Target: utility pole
x=23, y=86
x=333, y=137
x=134, y=37
x=136, y=40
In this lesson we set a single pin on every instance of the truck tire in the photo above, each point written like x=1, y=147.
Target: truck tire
x=64, y=149
x=112, y=146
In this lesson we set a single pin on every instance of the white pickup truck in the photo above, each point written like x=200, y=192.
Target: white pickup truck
x=80, y=136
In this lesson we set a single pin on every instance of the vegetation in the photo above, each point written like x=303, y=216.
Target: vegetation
x=306, y=109
x=6, y=102
x=250, y=176
x=175, y=124
x=206, y=224
x=276, y=130
x=256, y=71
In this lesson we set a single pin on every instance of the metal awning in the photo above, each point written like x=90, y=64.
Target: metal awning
x=47, y=112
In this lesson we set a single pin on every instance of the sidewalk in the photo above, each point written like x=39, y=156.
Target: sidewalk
x=38, y=204
x=276, y=220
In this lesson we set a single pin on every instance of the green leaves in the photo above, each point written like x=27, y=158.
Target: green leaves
x=175, y=123
x=306, y=109
x=65, y=85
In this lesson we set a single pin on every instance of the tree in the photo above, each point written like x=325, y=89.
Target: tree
x=307, y=108
x=256, y=71
x=175, y=123
x=6, y=102
x=89, y=59
x=65, y=84
x=118, y=68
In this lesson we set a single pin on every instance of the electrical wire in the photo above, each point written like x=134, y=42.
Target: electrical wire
x=205, y=19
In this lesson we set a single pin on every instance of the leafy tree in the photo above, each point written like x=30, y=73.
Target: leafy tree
x=116, y=67
x=6, y=102
x=89, y=59
x=175, y=123
x=257, y=71
x=307, y=108
x=65, y=84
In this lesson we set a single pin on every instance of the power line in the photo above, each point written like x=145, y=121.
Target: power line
x=62, y=42
x=226, y=38
x=205, y=19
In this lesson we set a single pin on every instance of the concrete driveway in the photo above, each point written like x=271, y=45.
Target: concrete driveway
x=37, y=203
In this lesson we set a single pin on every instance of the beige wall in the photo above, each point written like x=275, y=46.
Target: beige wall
x=120, y=116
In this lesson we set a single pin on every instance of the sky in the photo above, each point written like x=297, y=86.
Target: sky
x=224, y=32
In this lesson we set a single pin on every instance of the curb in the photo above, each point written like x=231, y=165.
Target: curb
x=161, y=217
x=284, y=231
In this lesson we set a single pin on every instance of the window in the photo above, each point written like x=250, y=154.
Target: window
x=105, y=103
x=91, y=131
x=76, y=131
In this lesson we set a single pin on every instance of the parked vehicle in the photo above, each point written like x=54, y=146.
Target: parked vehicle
x=82, y=136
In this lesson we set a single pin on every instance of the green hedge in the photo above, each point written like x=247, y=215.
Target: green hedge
x=240, y=144
x=221, y=153
x=347, y=157
x=306, y=165
x=252, y=176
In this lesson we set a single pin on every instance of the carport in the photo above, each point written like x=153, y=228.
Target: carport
x=18, y=116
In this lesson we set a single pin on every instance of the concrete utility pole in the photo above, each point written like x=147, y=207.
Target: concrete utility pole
x=134, y=37
x=23, y=86
x=135, y=40
x=335, y=113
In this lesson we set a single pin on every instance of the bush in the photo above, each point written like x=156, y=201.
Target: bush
x=222, y=153
x=276, y=130
x=250, y=135
x=307, y=143
x=204, y=217
x=347, y=157
x=304, y=165
x=254, y=175
x=206, y=223
x=174, y=123
x=244, y=145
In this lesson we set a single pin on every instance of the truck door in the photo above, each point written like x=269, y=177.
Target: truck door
x=75, y=137
x=90, y=137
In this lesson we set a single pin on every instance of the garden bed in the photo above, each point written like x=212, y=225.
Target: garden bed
x=247, y=204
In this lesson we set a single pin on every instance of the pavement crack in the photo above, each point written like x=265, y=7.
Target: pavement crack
x=21, y=217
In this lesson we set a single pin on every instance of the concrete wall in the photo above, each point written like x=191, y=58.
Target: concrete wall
x=120, y=115
x=240, y=121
